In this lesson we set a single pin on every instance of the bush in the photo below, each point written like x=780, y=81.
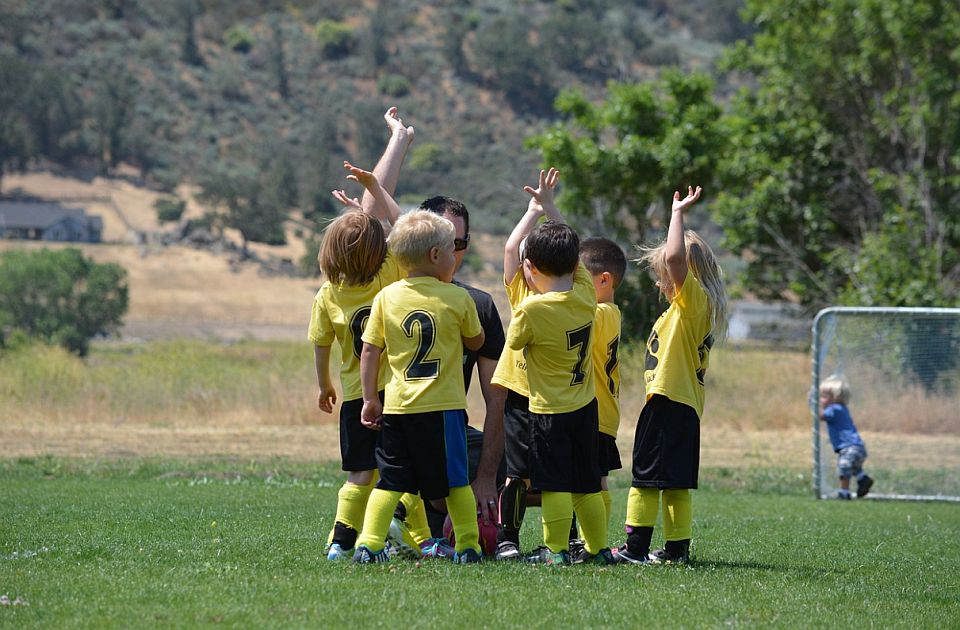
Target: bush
x=239, y=39
x=394, y=85
x=336, y=40
x=60, y=297
x=169, y=209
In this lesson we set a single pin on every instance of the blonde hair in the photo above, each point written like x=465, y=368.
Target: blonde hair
x=416, y=233
x=353, y=249
x=702, y=263
x=836, y=387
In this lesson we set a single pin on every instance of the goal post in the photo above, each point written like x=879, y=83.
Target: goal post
x=903, y=368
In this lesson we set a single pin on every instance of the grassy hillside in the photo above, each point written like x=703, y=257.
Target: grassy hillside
x=188, y=89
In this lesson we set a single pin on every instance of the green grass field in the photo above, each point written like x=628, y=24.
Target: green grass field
x=141, y=542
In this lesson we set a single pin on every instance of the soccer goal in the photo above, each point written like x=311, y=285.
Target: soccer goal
x=903, y=367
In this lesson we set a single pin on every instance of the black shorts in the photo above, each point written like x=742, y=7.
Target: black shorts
x=423, y=452
x=564, y=449
x=666, y=448
x=358, y=444
x=516, y=435
x=608, y=455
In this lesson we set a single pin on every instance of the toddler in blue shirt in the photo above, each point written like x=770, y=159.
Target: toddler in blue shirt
x=846, y=441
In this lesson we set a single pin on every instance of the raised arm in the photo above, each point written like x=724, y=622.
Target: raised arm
x=541, y=203
x=387, y=169
x=385, y=207
x=676, y=250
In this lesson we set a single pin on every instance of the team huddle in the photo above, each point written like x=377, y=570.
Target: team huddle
x=409, y=337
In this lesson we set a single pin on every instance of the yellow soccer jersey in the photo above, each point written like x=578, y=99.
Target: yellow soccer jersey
x=555, y=330
x=511, y=371
x=606, y=366
x=339, y=313
x=419, y=322
x=678, y=350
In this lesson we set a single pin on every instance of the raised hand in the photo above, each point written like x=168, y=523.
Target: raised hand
x=395, y=124
x=541, y=197
x=684, y=204
x=365, y=178
x=351, y=203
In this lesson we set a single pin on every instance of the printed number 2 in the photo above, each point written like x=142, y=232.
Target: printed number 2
x=419, y=367
x=579, y=339
x=357, y=323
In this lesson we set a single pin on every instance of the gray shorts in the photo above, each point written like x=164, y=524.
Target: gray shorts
x=850, y=461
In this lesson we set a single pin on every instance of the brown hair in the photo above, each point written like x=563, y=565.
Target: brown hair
x=353, y=249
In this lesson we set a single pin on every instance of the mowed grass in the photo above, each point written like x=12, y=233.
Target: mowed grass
x=221, y=543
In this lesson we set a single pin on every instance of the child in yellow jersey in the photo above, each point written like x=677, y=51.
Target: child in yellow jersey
x=607, y=265
x=421, y=324
x=553, y=327
x=666, y=448
x=356, y=263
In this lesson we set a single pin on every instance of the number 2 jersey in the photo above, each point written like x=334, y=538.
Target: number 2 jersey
x=340, y=313
x=419, y=322
x=555, y=329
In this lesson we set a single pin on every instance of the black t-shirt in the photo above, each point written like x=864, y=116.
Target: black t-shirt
x=492, y=331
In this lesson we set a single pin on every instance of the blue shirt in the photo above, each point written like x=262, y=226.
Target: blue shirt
x=840, y=426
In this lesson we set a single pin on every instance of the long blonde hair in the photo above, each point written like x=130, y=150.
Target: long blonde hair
x=353, y=249
x=702, y=263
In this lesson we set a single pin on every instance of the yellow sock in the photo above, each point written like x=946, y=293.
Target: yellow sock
x=556, y=513
x=607, y=505
x=677, y=515
x=462, y=508
x=416, y=518
x=376, y=521
x=642, y=507
x=592, y=520
x=351, y=505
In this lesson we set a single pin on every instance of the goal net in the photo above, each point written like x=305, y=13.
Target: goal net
x=903, y=368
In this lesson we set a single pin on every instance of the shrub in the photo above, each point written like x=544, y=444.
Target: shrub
x=60, y=297
x=239, y=39
x=394, y=85
x=336, y=40
x=169, y=209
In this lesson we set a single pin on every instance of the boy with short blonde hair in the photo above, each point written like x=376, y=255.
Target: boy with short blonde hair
x=419, y=323
x=844, y=437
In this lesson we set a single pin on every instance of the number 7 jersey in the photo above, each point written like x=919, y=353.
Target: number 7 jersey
x=555, y=330
x=419, y=323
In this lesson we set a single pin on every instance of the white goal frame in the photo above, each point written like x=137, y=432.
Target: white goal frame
x=817, y=350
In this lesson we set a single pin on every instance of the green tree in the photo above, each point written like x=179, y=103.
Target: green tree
x=15, y=137
x=249, y=208
x=621, y=159
x=60, y=296
x=843, y=176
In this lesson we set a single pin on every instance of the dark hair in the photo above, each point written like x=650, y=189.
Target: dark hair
x=440, y=205
x=601, y=254
x=554, y=248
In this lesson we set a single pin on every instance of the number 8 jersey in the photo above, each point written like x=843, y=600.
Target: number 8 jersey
x=555, y=329
x=340, y=312
x=419, y=322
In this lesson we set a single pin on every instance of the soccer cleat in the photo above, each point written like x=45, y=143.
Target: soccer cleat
x=603, y=558
x=402, y=540
x=543, y=555
x=622, y=555
x=507, y=550
x=863, y=486
x=336, y=552
x=437, y=548
x=576, y=547
x=672, y=553
x=470, y=556
x=363, y=555
x=843, y=495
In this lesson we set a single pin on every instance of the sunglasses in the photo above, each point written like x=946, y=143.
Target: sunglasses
x=460, y=244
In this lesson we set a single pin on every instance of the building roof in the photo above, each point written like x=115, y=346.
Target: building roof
x=18, y=214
